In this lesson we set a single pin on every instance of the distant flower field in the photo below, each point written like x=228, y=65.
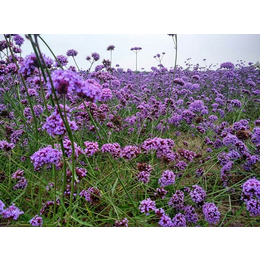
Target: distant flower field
x=108, y=147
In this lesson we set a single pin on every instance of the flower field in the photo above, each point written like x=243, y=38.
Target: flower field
x=109, y=147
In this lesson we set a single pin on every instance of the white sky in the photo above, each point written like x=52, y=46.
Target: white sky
x=215, y=48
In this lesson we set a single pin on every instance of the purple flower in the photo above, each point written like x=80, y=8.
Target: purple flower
x=114, y=149
x=18, y=40
x=106, y=95
x=190, y=214
x=92, y=195
x=62, y=61
x=91, y=148
x=165, y=221
x=12, y=212
x=2, y=205
x=250, y=189
x=167, y=178
x=198, y=195
x=227, y=65
x=46, y=155
x=64, y=82
x=55, y=126
x=146, y=206
x=144, y=176
x=177, y=200
x=36, y=221
x=179, y=220
x=91, y=90
x=122, y=223
x=253, y=206
x=72, y=53
x=129, y=152
x=95, y=56
x=18, y=174
x=110, y=48
x=21, y=184
x=161, y=192
x=211, y=213
x=6, y=146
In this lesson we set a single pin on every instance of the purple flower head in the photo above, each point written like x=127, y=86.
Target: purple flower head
x=46, y=155
x=130, y=152
x=198, y=195
x=30, y=64
x=114, y=149
x=110, y=48
x=64, y=82
x=2, y=205
x=90, y=90
x=72, y=53
x=253, y=206
x=121, y=223
x=18, y=174
x=146, y=206
x=21, y=184
x=165, y=221
x=12, y=212
x=106, y=95
x=36, y=221
x=161, y=192
x=95, y=56
x=227, y=65
x=167, y=178
x=177, y=200
x=179, y=81
x=54, y=124
x=91, y=148
x=190, y=214
x=250, y=189
x=179, y=220
x=92, y=195
x=62, y=61
x=196, y=106
x=6, y=146
x=211, y=213
x=18, y=40
x=144, y=176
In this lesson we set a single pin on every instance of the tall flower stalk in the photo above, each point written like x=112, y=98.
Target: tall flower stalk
x=136, y=50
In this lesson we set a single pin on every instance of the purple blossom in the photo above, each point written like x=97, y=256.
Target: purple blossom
x=177, y=200
x=6, y=146
x=114, y=149
x=161, y=192
x=250, y=189
x=72, y=53
x=92, y=195
x=144, y=176
x=146, y=206
x=121, y=223
x=165, y=221
x=253, y=206
x=167, y=178
x=91, y=148
x=2, y=205
x=36, y=221
x=12, y=212
x=46, y=156
x=211, y=213
x=190, y=214
x=18, y=40
x=130, y=152
x=198, y=195
x=179, y=220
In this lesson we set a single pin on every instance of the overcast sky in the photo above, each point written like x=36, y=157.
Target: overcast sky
x=215, y=48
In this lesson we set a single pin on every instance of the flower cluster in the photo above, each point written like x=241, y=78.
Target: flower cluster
x=46, y=156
